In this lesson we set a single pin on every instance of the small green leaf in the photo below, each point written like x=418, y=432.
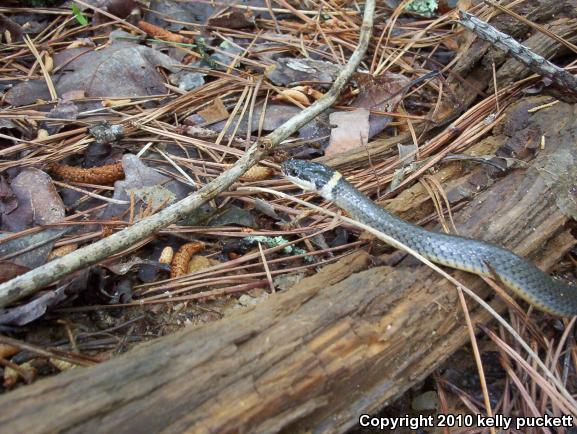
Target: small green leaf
x=79, y=15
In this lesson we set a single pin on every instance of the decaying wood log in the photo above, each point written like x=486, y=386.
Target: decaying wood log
x=335, y=346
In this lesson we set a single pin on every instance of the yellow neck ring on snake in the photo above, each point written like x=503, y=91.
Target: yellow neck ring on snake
x=462, y=253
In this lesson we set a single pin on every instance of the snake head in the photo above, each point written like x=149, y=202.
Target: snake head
x=307, y=175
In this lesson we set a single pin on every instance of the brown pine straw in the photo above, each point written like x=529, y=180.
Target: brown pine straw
x=397, y=47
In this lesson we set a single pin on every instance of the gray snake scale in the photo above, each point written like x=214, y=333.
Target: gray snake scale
x=467, y=254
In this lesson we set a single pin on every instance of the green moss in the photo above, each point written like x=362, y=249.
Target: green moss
x=423, y=7
x=278, y=241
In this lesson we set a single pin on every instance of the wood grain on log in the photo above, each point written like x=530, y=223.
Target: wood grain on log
x=314, y=358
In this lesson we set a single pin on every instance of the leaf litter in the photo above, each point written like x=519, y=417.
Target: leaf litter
x=176, y=113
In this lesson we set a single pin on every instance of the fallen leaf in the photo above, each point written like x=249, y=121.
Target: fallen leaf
x=9, y=270
x=26, y=371
x=451, y=42
x=7, y=351
x=119, y=8
x=215, y=112
x=121, y=70
x=187, y=80
x=275, y=115
x=148, y=271
x=232, y=20
x=10, y=31
x=38, y=201
x=7, y=124
x=81, y=42
x=381, y=93
x=351, y=131
x=287, y=70
x=62, y=365
x=38, y=204
x=62, y=110
x=8, y=200
x=407, y=153
x=291, y=95
x=166, y=255
x=62, y=251
x=464, y=5
x=33, y=309
x=148, y=185
x=233, y=215
x=73, y=94
x=194, y=12
x=198, y=262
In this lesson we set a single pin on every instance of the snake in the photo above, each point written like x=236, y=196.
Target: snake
x=546, y=293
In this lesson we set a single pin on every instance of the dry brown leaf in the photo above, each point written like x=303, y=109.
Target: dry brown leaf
x=38, y=201
x=120, y=70
x=464, y=5
x=198, y=263
x=382, y=93
x=7, y=351
x=215, y=112
x=351, y=132
x=62, y=251
x=291, y=95
x=82, y=42
x=73, y=94
x=233, y=20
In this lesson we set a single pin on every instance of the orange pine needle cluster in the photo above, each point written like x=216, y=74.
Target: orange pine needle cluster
x=160, y=33
x=179, y=265
x=102, y=175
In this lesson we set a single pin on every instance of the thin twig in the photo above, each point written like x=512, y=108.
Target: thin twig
x=533, y=61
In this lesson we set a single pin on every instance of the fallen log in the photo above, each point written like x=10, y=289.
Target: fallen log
x=335, y=346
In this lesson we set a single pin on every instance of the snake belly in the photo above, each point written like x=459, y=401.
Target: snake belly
x=525, y=279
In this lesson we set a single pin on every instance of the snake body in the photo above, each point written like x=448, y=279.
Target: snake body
x=462, y=253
